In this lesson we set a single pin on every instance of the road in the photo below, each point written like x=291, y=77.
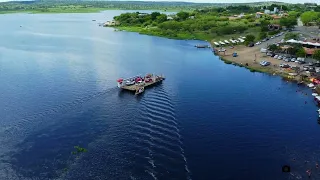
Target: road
x=270, y=41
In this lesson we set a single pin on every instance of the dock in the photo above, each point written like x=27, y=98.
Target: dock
x=202, y=46
x=140, y=83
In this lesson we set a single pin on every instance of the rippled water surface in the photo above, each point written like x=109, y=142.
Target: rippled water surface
x=207, y=120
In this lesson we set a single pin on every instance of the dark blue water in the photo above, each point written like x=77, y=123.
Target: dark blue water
x=207, y=120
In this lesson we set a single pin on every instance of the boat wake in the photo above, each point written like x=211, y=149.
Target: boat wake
x=157, y=137
x=20, y=126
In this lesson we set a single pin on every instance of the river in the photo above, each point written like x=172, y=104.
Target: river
x=207, y=120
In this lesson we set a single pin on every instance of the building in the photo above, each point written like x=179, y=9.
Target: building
x=284, y=14
x=267, y=11
x=259, y=14
x=274, y=27
x=275, y=10
x=275, y=17
x=111, y=23
x=169, y=18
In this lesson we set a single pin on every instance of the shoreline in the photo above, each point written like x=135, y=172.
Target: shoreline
x=272, y=69
x=84, y=10
x=242, y=59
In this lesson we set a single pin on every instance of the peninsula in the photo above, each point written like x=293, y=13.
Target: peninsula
x=263, y=29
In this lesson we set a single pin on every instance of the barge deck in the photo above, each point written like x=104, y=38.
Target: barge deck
x=140, y=83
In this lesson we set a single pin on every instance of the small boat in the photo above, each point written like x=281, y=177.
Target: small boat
x=310, y=85
x=314, y=94
x=139, y=90
x=202, y=46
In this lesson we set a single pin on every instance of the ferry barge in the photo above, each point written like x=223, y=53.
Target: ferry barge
x=138, y=83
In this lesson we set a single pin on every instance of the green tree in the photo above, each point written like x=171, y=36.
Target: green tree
x=249, y=39
x=291, y=36
x=154, y=15
x=309, y=16
x=262, y=35
x=288, y=22
x=316, y=55
x=161, y=18
x=273, y=47
x=294, y=14
x=182, y=15
x=301, y=53
x=264, y=25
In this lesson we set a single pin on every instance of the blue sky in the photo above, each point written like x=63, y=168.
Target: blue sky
x=233, y=1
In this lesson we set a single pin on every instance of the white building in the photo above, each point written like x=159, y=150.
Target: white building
x=267, y=11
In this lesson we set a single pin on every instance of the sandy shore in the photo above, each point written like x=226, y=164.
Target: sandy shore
x=251, y=56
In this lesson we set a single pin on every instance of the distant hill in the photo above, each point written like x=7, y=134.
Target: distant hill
x=152, y=2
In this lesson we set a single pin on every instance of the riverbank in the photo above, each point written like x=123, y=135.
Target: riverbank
x=154, y=31
x=249, y=57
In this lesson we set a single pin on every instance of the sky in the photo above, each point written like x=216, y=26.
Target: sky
x=229, y=1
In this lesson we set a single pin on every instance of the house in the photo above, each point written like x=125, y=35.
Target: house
x=111, y=23
x=169, y=18
x=267, y=11
x=284, y=14
x=259, y=14
x=275, y=17
x=274, y=27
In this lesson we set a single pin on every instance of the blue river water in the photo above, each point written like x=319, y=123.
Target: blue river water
x=207, y=120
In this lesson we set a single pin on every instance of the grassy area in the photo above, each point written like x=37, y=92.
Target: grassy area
x=154, y=31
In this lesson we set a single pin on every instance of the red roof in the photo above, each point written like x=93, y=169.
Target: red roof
x=309, y=50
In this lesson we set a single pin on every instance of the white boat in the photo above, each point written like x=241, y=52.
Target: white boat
x=222, y=43
x=217, y=44
x=310, y=85
x=226, y=41
x=314, y=94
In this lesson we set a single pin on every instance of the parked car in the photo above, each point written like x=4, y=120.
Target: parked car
x=269, y=54
x=221, y=50
x=301, y=62
x=264, y=40
x=265, y=63
x=272, y=54
x=267, y=39
x=284, y=65
x=293, y=59
x=310, y=64
x=257, y=43
x=305, y=68
x=275, y=56
x=280, y=57
x=272, y=37
x=263, y=50
x=287, y=60
x=251, y=44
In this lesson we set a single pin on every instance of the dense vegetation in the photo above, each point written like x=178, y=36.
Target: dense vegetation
x=203, y=24
x=310, y=16
x=214, y=23
x=49, y=6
